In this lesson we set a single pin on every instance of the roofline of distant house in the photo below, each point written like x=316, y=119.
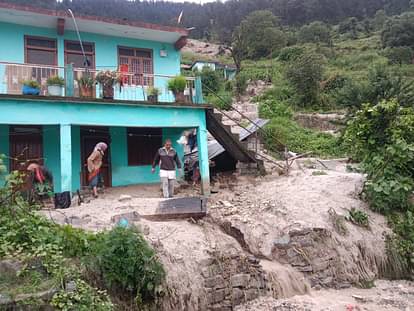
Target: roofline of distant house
x=58, y=13
x=212, y=62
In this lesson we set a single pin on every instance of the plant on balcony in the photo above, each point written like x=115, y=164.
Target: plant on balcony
x=177, y=86
x=86, y=83
x=108, y=79
x=153, y=94
x=31, y=87
x=55, y=85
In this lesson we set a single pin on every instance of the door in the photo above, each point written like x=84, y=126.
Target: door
x=26, y=144
x=90, y=136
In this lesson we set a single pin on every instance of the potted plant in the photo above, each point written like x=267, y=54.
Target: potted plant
x=31, y=87
x=177, y=86
x=153, y=93
x=86, y=83
x=55, y=85
x=108, y=79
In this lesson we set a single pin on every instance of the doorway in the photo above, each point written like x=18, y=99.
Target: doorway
x=89, y=137
x=26, y=144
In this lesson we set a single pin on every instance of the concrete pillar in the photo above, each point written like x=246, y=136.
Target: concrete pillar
x=65, y=157
x=69, y=80
x=199, y=91
x=203, y=159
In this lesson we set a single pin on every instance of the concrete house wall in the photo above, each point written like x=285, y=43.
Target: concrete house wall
x=61, y=120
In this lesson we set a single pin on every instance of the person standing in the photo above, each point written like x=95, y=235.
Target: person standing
x=94, y=166
x=167, y=158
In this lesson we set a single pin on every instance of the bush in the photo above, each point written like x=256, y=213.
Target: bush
x=83, y=298
x=300, y=140
x=223, y=101
x=334, y=82
x=290, y=53
x=359, y=217
x=305, y=75
x=240, y=84
x=127, y=263
x=211, y=80
x=399, y=55
x=382, y=137
x=316, y=32
x=121, y=256
x=380, y=84
x=271, y=108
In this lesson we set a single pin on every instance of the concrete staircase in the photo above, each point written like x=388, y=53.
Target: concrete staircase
x=229, y=140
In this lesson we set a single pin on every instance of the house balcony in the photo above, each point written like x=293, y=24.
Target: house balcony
x=133, y=87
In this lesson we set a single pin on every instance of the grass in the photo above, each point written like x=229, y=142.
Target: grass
x=31, y=281
x=301, y=140
x=319, y=173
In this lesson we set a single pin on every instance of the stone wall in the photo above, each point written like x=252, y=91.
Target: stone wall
x=320, y=122
x=318, y=253
x=230, y=281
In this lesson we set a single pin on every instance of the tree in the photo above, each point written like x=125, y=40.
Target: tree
x=256, y=36
x=399, y=31
x=350, y=25
x=380, y=84
x=211, y=79
x=316, y=32
x=305, y=74
x=399, y=55
x=380, y=19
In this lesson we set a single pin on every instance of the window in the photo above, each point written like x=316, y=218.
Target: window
x=74, y=55
x=42, y=51
x=143, y=144
x=139, y=62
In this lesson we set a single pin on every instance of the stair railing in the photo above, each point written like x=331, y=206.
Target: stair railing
x=258, y=129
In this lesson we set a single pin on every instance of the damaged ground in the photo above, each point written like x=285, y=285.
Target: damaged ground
x=264, y=239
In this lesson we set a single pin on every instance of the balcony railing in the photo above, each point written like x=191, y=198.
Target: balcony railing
x=133, y=87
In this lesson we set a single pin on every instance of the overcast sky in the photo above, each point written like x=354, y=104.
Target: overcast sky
x=196, y=1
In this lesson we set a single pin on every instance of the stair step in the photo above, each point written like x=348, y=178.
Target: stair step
x=230, y=141
x=219, y=117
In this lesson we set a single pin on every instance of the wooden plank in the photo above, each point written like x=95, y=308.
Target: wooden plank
x=179, y=208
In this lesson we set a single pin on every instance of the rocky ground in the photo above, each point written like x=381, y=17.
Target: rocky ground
x=204, y=49
x=265, y=239
x=385, y=296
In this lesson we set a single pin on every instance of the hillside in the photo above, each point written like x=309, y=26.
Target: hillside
x=217, y=20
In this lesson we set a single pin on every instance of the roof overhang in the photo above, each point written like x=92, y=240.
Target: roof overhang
x=61, y=20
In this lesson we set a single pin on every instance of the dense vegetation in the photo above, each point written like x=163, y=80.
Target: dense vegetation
x=103, y=271
x=217, y=20
x=319, y=56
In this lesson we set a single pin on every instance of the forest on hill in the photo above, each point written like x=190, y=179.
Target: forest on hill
x=218, y=19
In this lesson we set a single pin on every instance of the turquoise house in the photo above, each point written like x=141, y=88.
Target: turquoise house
x=229, y=71
x=61, y=131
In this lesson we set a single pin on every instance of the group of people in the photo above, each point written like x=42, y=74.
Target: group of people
x=166, y=158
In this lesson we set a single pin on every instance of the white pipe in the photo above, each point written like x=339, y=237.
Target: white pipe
x=86, y=62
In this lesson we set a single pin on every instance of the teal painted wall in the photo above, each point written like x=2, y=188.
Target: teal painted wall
x=172, y=119
x=76, y=158
x=4, y=147
x=15, y=111
x=51, y=152
x=122, y=174
x=106, y=53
